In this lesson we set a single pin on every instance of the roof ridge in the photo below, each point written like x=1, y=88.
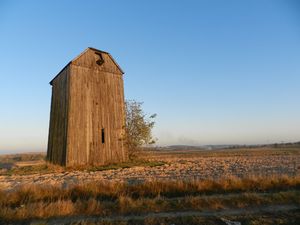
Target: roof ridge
x=93, y=49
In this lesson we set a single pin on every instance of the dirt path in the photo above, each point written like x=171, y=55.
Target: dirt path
x=209, y=213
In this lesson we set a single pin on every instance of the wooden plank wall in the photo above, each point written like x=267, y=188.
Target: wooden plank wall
x=96, y=103
x=56, y=152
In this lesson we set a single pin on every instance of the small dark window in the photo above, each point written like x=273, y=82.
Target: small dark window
x=100, y=60
x=102, y=135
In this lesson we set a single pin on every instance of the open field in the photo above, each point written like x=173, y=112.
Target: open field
x=249, y=186
x=163, y=165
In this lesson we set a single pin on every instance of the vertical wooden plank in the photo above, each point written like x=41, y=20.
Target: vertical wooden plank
x=56, y=152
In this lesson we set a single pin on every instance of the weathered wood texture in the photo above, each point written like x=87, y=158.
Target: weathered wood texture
x=93, y=108
x=57, y=139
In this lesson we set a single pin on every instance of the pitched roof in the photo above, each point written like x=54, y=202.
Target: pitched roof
x=89, y=48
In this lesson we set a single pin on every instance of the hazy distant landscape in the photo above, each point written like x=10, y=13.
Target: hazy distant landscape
x=170, y=185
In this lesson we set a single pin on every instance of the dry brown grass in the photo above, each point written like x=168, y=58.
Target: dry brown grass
x=42, y=167
x=125, y=205
x=149, y=189
x=120, y=198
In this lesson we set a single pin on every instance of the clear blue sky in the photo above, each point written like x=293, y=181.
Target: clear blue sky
x=215, y=72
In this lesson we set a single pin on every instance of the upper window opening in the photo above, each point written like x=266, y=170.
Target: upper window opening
x=100, y=59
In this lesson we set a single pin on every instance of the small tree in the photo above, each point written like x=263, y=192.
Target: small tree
x=138, y=127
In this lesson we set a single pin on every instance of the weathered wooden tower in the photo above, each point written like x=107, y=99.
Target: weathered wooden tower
x=87, y=116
